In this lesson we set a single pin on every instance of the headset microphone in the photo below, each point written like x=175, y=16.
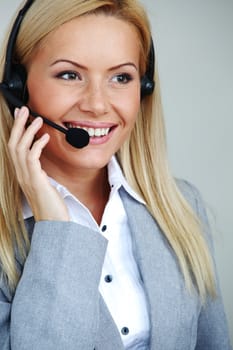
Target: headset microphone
x=76, y=137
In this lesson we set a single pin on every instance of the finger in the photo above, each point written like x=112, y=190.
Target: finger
x=33, y=158
x=24, y=150
x=29, y=134
x=20, y=142
x=28, y=167
x=20, y=131
x=21, y=117
x=19, y=151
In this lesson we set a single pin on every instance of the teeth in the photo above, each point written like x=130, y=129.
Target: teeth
x=98, y=132
x=91, y=132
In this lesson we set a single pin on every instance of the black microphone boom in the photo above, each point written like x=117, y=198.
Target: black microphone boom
x=76, y=137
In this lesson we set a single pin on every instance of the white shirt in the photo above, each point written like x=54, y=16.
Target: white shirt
x=120, y=284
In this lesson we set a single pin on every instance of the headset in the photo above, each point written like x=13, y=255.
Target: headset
x=14, y=86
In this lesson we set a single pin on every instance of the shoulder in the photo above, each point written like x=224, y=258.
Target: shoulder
x=192, y=196
x=189, y=191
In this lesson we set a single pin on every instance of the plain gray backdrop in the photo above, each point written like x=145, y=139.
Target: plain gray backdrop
x=194, y=52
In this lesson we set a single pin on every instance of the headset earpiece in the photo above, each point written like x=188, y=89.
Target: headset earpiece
x=17, y=79
x=147, y=81
x=147, y=86
x=15, y=83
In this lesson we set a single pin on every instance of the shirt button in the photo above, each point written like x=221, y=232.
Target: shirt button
x=108, y=278
x=104, y=228
x=125, y=330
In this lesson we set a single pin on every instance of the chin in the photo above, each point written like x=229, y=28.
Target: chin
x=93, y=161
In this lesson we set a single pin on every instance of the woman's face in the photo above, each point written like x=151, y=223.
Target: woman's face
x=86, y=74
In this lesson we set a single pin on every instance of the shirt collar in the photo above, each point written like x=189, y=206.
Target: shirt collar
x=115, y=177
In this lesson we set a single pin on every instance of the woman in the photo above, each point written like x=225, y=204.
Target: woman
x=100, y=247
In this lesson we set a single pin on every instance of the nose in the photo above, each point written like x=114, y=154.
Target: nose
x=94, y=99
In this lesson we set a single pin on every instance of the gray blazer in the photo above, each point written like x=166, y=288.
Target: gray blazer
x=57, y=305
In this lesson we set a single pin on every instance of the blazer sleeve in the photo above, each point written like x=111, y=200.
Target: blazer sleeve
x=212, y=332
x=56, y=302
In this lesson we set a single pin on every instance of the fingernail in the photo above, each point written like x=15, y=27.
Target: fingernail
x=23, y=110
x=36, y=121
x=45, y=137
x=16, y=112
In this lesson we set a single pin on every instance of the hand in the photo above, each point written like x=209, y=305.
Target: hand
x=44, y=200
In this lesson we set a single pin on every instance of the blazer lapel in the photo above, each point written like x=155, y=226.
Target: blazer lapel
x=159, y=271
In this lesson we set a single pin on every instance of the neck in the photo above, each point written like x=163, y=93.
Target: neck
x=90, y=187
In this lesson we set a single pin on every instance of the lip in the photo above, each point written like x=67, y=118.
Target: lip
x=88, y=124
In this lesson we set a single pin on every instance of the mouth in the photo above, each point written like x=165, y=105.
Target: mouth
x=92, y=132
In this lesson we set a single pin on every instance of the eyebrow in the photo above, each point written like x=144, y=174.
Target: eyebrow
x=84, y=67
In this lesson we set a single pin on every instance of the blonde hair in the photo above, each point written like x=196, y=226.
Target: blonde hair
x=145, y=150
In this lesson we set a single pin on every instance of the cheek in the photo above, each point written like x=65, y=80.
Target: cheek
x=44, y=98
x=38, y=97
x=131, y=108
x=129, y=100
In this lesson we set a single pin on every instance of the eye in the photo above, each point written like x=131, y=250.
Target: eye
x=123, y=78
x=69, y=75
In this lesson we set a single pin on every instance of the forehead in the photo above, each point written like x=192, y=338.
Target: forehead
x=93, y=34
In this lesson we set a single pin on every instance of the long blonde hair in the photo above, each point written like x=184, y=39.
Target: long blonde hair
x=145, y=150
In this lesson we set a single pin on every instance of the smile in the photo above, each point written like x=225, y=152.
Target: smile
x=93, y=132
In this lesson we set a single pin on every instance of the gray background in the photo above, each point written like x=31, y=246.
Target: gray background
x=194, y=49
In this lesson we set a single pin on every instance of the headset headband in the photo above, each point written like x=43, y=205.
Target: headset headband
x=15, y=74
x=12, y=40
